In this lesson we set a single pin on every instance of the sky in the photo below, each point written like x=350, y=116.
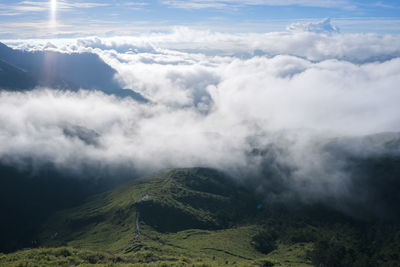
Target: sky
x=77, y=18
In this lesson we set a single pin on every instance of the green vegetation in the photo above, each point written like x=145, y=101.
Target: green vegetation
x=199, y=217
x=265, y=241
x=377, y=245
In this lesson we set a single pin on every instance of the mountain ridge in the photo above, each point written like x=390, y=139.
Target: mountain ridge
x=203, y=217
x=198, y=216
x=62, y=71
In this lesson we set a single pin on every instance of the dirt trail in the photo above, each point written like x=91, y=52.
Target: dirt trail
x=137, y=232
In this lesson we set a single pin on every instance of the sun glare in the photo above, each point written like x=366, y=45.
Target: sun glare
x=53, y=6
x=53, y=10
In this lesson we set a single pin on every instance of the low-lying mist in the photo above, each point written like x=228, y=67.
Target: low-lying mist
x=310, y=129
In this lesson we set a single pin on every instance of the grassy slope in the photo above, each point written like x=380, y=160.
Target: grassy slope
x=108, y=220
x=215, y=222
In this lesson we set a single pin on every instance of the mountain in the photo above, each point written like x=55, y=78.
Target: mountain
x=168, y=202
x=67, y=71
x=30, y=194
x=372, y=166
x=202, y=217
x=14, y=78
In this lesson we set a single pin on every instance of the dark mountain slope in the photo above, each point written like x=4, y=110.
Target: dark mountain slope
x=64, y=71
x=372, y=164
x=83, y=70
x=203, y=213
x=12, y=77
x=30, y=194
x=170, y=201
x=201, y=217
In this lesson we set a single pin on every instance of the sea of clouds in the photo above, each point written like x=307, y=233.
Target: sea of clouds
x=258, y=106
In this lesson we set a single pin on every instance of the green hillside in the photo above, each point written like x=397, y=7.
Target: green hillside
x=201, y=217
x=168, y=213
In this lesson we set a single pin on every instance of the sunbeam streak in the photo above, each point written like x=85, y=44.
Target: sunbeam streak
x=53, y=11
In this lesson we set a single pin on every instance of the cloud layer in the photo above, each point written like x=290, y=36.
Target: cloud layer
x=257, y=106
x=307, y=40
x=323, y=26
x=198, y=4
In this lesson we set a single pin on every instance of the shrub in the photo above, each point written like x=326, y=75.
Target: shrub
x=264, y=241
x=62, y=252
x=266, y=263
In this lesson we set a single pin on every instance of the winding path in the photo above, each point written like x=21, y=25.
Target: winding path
x=137, y=232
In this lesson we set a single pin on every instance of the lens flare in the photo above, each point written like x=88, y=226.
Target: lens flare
x=53, y=10
x=53, y=5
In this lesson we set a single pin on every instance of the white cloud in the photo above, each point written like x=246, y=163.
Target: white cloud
x=83, y=27
x=357, y=48
x=8, y=13
x=202, y=104
x=199, y=4
x=323, y=26
x=41, y=6
x=135, y=5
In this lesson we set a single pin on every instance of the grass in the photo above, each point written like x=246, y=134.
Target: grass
x=291, y=255
x=209, y=222
x=230, y=247
x=108, y=220
x=64, y=256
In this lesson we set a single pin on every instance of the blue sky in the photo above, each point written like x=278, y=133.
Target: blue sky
x=68, y=18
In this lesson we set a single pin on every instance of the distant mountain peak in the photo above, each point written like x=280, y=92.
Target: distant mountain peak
x=61, y=71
